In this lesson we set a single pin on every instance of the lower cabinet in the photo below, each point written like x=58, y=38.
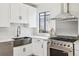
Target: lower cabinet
x=39, y=47
x=28, y=51
x=45, y=49
x=24, y=50
x=18, y=51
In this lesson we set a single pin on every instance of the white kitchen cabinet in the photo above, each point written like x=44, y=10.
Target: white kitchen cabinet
x=19, y=51
x=45, y=49
x=19, y=13
x=24, y=50
x=28, y=49
x=32, y=16
x=15, y=13
x=24, y=13
x=37, y=46
x=4, y=15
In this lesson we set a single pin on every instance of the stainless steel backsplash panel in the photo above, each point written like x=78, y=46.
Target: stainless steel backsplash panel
x=67, y=28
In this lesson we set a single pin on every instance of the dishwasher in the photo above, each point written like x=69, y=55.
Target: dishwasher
x=6, y=48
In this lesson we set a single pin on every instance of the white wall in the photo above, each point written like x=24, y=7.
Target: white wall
x=4, y=32
x=9, y=32
x=55, y=8
x=74, y=9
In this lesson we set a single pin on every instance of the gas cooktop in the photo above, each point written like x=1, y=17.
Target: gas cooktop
x=65, y=38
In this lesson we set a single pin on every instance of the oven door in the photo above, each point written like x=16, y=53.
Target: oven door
x=55, y=52
x=59, y=51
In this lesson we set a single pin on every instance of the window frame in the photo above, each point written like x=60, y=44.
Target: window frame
x=44, y=15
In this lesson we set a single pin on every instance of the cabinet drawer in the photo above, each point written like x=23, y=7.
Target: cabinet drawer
x=18, y=51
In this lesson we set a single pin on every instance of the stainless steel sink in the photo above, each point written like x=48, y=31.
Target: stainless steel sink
x=22, y=41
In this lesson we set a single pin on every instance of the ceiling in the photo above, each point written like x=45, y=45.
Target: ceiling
x=32, y=4
x=38, y=4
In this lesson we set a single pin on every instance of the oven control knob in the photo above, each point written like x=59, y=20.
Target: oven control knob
x=60, y=44
x=54, y=43
x=68, y=45
x=64, y=44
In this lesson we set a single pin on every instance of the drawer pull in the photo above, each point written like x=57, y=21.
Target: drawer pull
x=24, y=49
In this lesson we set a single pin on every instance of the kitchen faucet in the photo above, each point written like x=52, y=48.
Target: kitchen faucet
x=18, y=31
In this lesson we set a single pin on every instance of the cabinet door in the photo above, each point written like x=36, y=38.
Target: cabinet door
x=28, y=49
x=16, y=51
x=19, y=51
x=34, y=46
x=24, y=13
x=37, y=47
x=32, y=16
x=40, y=47
x=4, y=15
x=45, y=47
x=15, y=12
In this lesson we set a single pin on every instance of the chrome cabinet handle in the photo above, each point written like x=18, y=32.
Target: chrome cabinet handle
x=20, y=17
x=42, y=45
x=24, y=49
x=38, y=40
x=19, y=31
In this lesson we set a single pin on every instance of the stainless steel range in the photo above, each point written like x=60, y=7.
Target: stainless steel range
x=62, y=46
x=66, y=32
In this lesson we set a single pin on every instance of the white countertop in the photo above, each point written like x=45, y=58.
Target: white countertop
x=36, y=36
x=5, y=39
x=42, y=37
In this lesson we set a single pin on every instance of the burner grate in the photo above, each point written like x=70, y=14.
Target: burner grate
x=67, y=39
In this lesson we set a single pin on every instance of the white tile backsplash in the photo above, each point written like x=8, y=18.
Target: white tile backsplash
x=25, y=30
x=12, y=31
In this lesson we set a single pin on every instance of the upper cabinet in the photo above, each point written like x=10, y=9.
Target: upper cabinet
x=4, y=15
x=15, y=13
x=22, y=13
x=19, y=13
x=32, y=16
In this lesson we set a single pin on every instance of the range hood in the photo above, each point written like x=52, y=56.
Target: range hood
x=65, y=14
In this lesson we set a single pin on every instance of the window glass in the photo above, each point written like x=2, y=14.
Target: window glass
x=44, y=18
